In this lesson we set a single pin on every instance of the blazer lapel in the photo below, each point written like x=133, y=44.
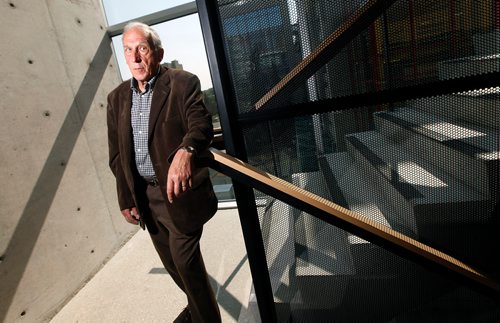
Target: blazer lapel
x=125, y=127
x=160, y=94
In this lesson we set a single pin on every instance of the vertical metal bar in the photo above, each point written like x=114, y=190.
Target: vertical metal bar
x=274, y=150
x=496, y=11
x=388, y=55
x=311, y=82
x=373, y=53
x=453, y=32
x=351, y=58
x=413, y=35
x=233, y=138
x=374, y=58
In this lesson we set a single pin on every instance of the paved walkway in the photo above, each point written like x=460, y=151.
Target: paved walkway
x=134, y=287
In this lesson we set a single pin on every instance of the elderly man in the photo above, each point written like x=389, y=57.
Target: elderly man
x=157, y=124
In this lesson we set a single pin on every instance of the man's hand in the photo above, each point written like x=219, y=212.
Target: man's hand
x=179, y=174
x=131, y=215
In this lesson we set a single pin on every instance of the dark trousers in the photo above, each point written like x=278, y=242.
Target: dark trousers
x=180, y=254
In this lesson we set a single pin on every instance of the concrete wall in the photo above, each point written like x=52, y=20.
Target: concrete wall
x=59, y=219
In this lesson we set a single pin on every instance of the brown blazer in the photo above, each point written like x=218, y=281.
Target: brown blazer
x=178, y=118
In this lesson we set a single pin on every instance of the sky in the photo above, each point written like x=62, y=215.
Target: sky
x=181, y=38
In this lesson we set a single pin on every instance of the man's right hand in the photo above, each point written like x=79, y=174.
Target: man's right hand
x=131, y=215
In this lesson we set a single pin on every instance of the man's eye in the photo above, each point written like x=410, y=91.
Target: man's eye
x=143, y=49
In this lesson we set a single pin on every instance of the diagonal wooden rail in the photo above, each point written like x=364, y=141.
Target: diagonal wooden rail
x=357, y=22
x=354, y=223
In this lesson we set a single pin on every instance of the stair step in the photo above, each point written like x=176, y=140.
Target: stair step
x=473, y=141
x=360, y=196
x=431, y=195
x=474, y=107
x=467, y=66
x=443, y=143
x=277, y=225
x=379, y=273
x=321, y=249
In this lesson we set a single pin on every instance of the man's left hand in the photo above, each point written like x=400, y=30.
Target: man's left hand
x=179, y=174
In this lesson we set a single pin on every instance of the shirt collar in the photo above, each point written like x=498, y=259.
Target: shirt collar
x=134, y=85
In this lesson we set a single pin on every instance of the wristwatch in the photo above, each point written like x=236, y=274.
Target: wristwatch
x=189, y=149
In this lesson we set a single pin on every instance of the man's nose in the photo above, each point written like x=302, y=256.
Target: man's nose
x=137, y=56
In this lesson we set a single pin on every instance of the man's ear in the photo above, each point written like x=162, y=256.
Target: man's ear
x=160, y=53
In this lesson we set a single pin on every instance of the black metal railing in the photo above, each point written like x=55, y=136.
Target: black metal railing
x=413, y=91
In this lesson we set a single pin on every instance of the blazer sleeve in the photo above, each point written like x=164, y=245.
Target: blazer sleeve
x=198, y=121
x=125, y=198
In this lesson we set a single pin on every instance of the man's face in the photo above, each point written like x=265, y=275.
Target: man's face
x=141, y=58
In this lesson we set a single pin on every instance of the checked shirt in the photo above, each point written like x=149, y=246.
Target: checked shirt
x=141, y=106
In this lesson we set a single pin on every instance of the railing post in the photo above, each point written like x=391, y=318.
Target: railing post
x=234, y=144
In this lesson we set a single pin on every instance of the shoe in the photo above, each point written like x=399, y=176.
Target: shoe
x=184, y=317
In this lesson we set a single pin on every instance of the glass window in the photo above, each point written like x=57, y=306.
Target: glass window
x=118, y=11
x=183, y=43
x=184, y=48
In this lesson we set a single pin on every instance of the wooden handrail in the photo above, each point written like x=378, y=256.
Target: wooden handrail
x=332, y=44
x=352, y=222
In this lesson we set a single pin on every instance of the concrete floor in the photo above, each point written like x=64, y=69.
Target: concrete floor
x=134, y=287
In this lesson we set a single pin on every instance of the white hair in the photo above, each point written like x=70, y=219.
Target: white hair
x=149, y=32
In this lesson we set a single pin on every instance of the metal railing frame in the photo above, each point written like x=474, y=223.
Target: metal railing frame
x=234, y=144
x=244, y=183
x=357, y=224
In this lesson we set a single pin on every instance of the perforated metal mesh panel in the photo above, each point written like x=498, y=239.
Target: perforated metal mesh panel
x=427, y=167
x=320, y=273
